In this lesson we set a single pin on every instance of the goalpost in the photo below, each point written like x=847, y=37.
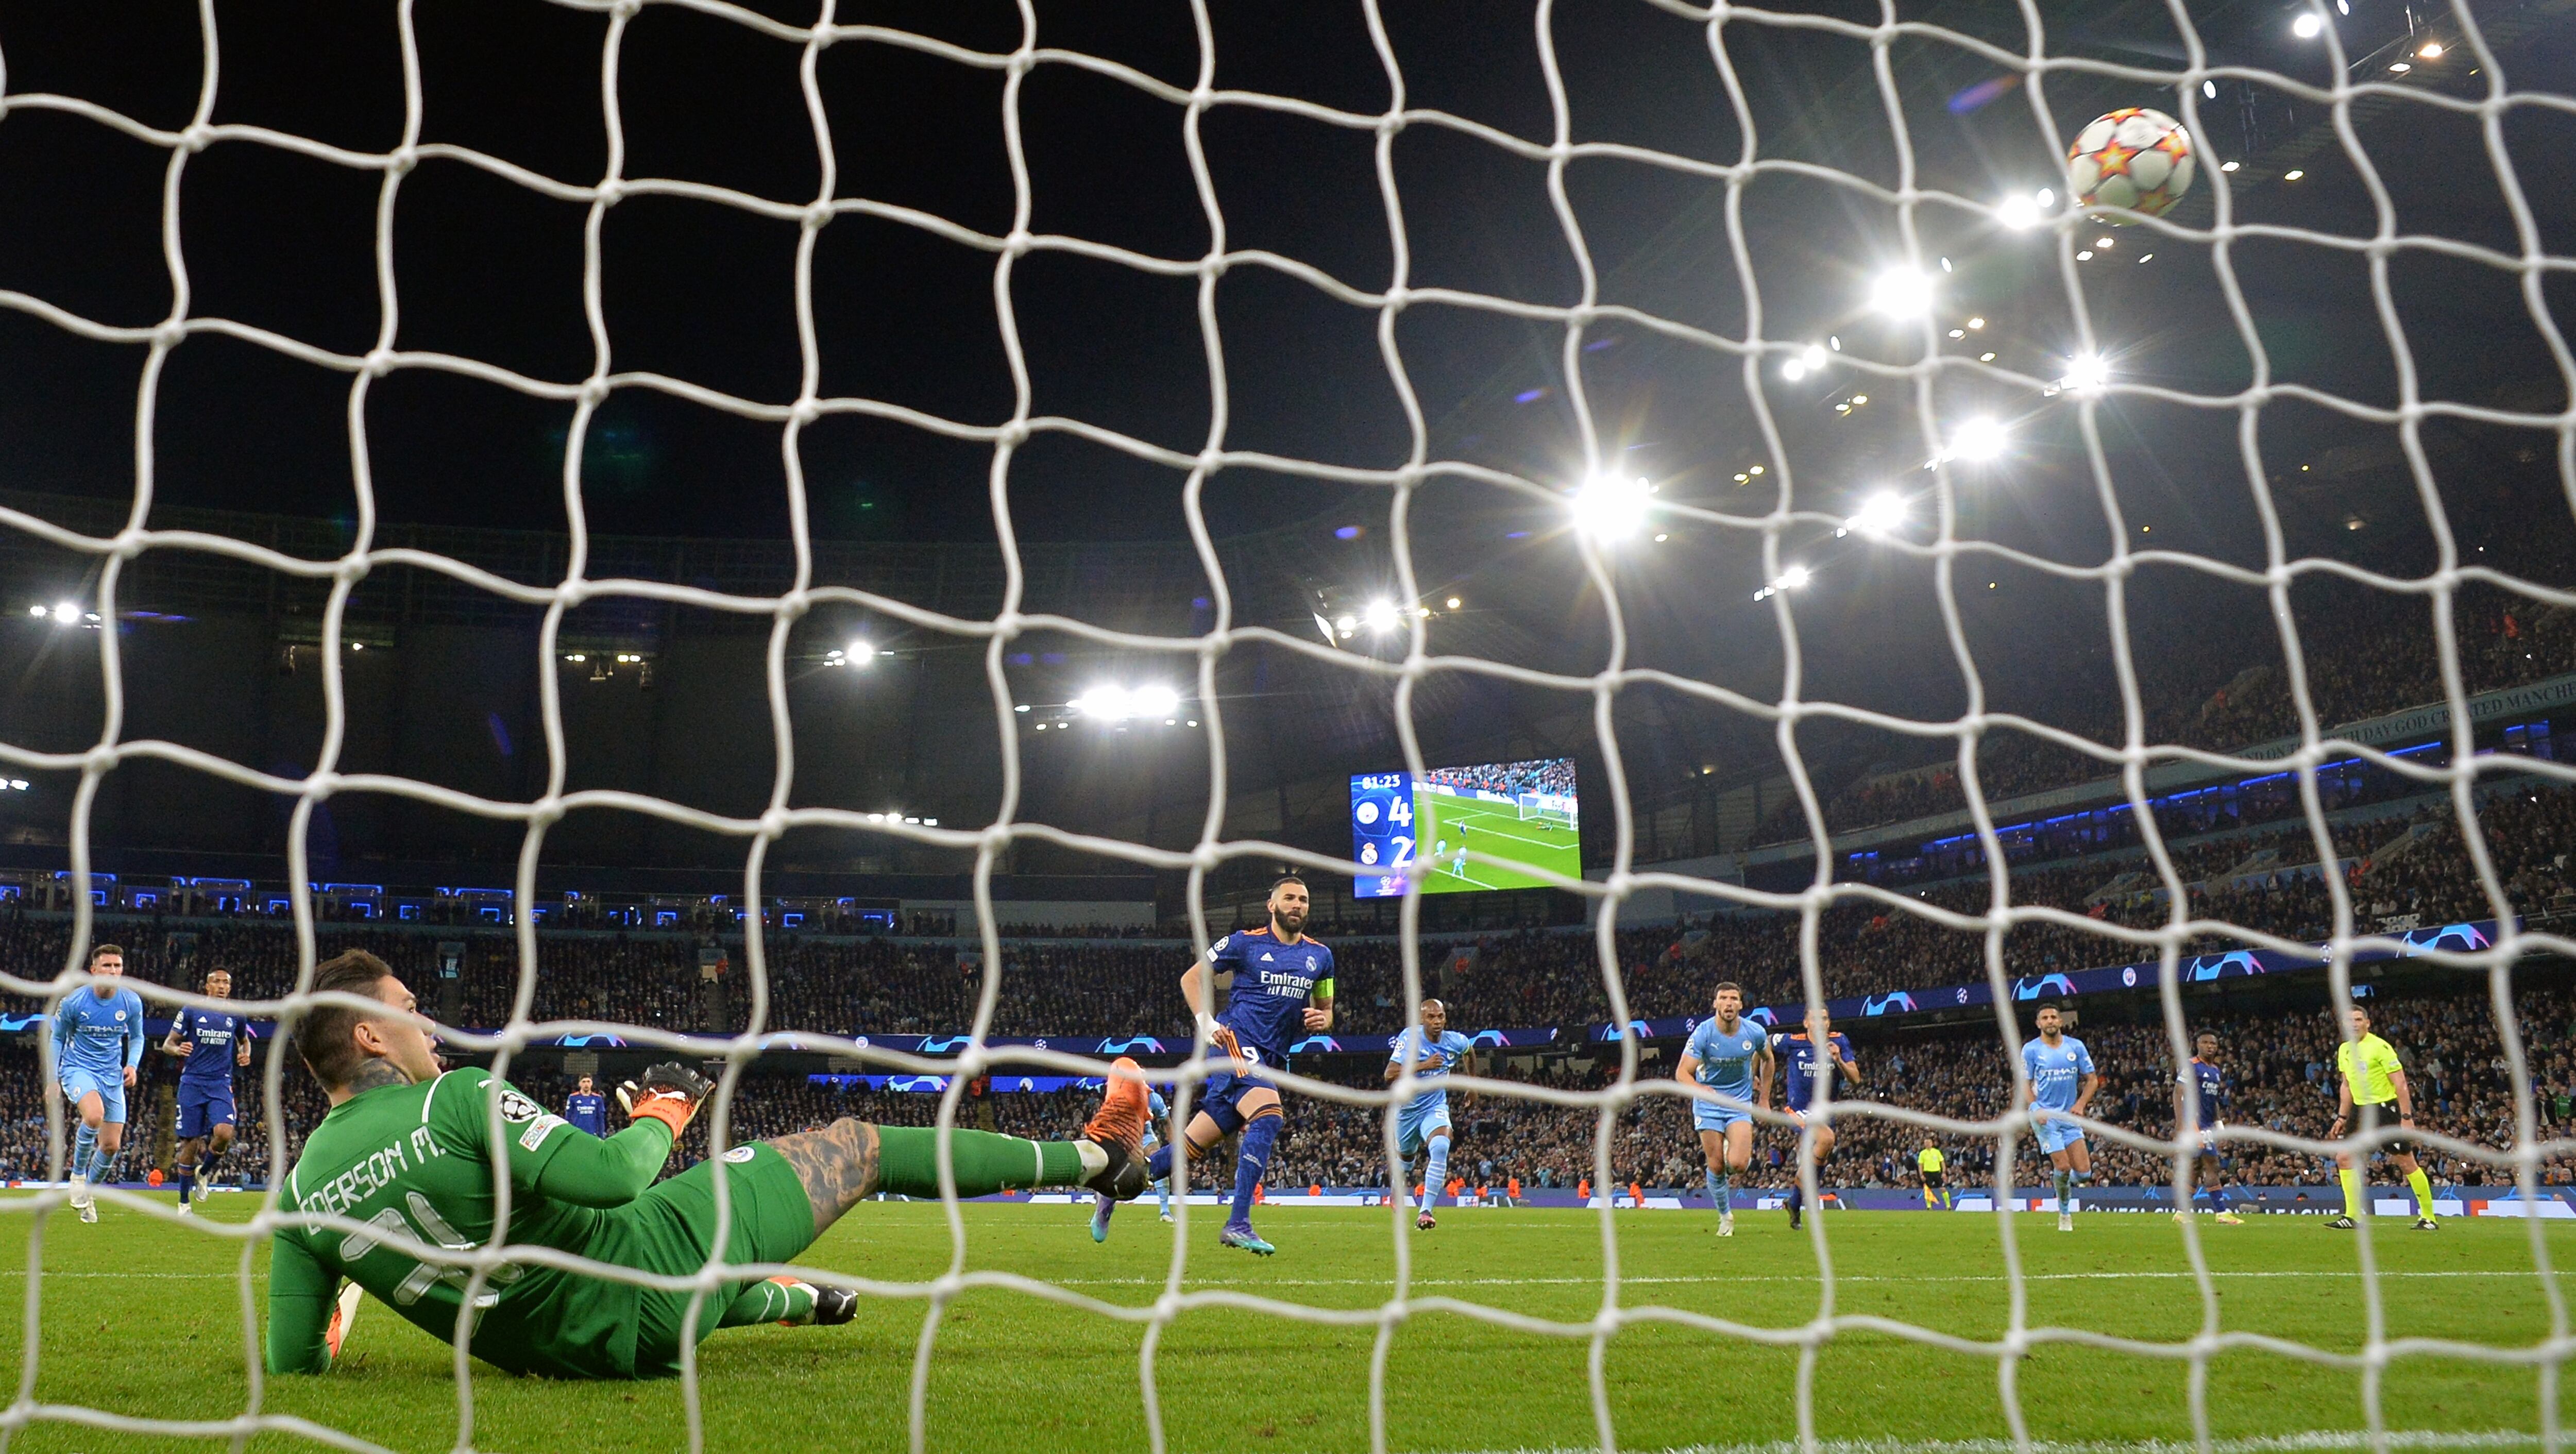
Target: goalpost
x=2016, y=46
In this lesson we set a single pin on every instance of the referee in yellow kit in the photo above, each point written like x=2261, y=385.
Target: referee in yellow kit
x=2370, y=1077
x=1934, y=1184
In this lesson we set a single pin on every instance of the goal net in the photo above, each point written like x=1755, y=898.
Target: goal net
x=1799, y=376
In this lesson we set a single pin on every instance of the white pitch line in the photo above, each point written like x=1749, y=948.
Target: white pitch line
x=2323, y=1442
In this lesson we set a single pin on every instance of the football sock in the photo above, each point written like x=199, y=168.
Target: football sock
x=779, y=1300
x=2064, y=1180
x=187, y=1174
x=1259, y=1135
x=84, y=1141
x=1159, y=1165
x=1163, y=1194
x=2423, y=1186
x=1797, y=1196
x=1437, y=1176
x=2351, y=1179
x=101, y=1161
x=1719, y=1189
x=908, y=1161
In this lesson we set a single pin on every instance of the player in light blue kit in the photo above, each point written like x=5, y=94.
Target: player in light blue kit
x=1423, y=1123
x=1277, y=983
x=211, y=1042
x=1730, y=1057
x=2060, y=1084
x=1157, y=1111
x=1808, y=1056
x=98, y=1040
x=586, y=1109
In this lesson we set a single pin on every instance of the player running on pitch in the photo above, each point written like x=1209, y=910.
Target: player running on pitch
x=1729, y=1057
x=1277, y=981
x=1810, y=1055
x=2203, y=1086
x=587, y=1109
x=1157, y=1110
x=2368, y=1074
x=2061, y=1082
x=98, y=1041
x=212, y=1043
x=1423, y=1122
x=409, y=1150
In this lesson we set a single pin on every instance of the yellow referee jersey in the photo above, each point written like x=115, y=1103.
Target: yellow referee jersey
x=1929, y=1158
x=2374, y=1083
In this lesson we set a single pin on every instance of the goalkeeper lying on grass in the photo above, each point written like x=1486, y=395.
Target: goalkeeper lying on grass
x=408, y=1149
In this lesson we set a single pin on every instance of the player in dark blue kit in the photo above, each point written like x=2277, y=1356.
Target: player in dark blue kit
x=1808, y=1056
x=2203, y=1085
x=1278, y=984
x=212, y=1042
x=587, y=1109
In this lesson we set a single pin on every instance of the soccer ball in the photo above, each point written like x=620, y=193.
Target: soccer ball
x=2133, y=158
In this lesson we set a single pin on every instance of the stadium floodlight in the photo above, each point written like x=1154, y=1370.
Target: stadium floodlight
x=1109, y=704
x=1453, y=603
x=1154, y=701
x=1880, y=514
x=1381, y=616
x=1805, y=361
x=1794, y=577
x=39, y=611
x=1346, y=624
x=2308, y=26
x=1022, y=707
x=2087, y=373
x=2018, y=212
x=860, y=654
x=1611, y=507
x=1900, y=293
x=1978, y=440
x=65, y=613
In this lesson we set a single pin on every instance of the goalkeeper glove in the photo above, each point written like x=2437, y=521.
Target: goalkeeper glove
x=670, y=1094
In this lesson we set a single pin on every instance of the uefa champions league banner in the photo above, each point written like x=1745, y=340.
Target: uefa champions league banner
x=2193, y=969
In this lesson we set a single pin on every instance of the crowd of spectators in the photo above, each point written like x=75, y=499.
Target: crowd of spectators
x=2366, y=653
x=1543, y=775
x=2398, y=872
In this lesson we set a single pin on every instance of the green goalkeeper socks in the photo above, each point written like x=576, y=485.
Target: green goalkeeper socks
x=908, y=1162
x=779, y=1300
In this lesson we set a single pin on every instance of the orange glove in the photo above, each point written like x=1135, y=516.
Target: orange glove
x=670, y=1094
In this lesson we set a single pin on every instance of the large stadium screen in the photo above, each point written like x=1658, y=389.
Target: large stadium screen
x=1482, y=827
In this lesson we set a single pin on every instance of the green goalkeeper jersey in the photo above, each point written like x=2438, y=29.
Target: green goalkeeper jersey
x=418, y=1161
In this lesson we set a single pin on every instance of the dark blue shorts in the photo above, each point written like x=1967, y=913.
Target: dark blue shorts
x=202, y=1108
x=1225, y=1089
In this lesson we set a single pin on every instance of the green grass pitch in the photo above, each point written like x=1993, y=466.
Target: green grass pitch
x=141, y=1316
x=1498, y=838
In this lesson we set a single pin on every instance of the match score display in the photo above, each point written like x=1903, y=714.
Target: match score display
x=1467, y=828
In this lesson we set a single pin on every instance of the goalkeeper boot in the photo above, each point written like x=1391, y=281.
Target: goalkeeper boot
x=1101, y=1207
x=2427, y=1224
x=1118, y=1128
x=834, y=1305
x=2343, y=1224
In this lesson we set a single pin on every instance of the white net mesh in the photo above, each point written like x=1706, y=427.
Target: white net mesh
x=2491, y=103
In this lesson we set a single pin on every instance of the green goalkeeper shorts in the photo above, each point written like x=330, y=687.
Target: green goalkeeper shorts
x=670, y=1229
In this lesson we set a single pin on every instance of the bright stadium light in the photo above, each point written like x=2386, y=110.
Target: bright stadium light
x=2018, y=212
x=1109, y=704
x=2308, y=26
x=1154, y=701
x=1610, y=507
x=1453, y=603
x=1380, y=616
x=65, y=613
x=39, y=612
x=2086, y=373
x=1881, y=514
x=860, y=653
x=1793, y=578
x=1900, y=293
x=1978, y=440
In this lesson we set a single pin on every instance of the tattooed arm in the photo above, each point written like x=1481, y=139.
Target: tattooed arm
x=837, y=1164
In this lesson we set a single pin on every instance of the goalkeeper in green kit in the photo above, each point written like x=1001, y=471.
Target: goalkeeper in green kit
x=408, y=1149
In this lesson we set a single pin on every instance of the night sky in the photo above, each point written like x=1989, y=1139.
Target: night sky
x=703, y=292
